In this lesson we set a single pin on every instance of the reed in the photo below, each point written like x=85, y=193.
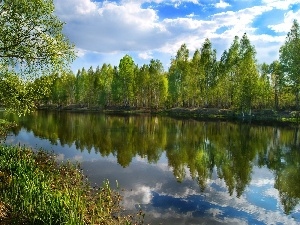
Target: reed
x=36, y=189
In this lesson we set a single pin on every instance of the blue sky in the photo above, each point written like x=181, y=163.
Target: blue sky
x=104, y=31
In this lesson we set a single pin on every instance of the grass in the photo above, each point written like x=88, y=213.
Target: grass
x=4, y=127
x=35, y=189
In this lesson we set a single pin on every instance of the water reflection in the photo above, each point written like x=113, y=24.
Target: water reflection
x=217, y=166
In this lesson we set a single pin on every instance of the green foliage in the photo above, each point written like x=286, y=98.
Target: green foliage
x=247, y=80
x=127, y=80
x=15, y=94
x=103, y=83
x=31, y=37
x=277, y=81
x=35, y=189
x=158, y=84
x=5, y=127
x=290, y=60
x=178, y=73
x=31, y=44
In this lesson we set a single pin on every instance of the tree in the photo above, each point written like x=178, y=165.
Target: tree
x=31, y=36
x=104, y=76
x=81, y=86
x=42, y=87
x=208, y=72
x=177, y=77
x=15, y=94
x=157, y=83
x=143, y=89
x=290, y=60
x=63, y=88
x=117, y=88
x=194, y=96
x=31, y=40
x=278, y=81
x=229, y=69
x=264, y=88
x=247, y=76
x=126, y=75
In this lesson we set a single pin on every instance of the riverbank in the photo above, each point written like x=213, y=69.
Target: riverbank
x=5, y=126
x=266, y=116
x=36, y=189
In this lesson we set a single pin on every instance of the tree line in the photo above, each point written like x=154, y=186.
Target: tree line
x=236, y=81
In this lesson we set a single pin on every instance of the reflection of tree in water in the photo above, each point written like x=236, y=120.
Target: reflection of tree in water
x=190, y=146
x=284, y=159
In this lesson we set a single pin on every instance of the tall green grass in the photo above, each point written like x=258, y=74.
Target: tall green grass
x=35, y=189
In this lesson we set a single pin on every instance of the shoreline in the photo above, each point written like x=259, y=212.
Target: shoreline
x=262, y=116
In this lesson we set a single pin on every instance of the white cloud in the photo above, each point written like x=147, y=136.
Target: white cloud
x=85, y=6
x=222, y=4
x=69, y=7
x=129, y=28
x=145, y=55
x=112, y=27
x=196, y=2
x=191, y=15
x=286, y=25
x=280, y=4
x=241, y=20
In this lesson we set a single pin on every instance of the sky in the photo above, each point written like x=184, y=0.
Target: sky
x=105, y=31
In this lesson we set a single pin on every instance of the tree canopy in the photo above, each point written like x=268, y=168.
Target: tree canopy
x=31, y=44
x=31, y=37
x=290, y=60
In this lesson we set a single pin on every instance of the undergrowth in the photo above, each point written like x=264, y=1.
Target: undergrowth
x=35, y=189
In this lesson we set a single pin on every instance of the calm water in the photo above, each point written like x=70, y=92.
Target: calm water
x=180, y=171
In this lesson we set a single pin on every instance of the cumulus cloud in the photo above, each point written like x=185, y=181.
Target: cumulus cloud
x=190, y=15
x=145, y=55
x=245, y=18
x=280, y=4
x=222, y=4
x=129, y=26
x=286, y=25
x=112, y=27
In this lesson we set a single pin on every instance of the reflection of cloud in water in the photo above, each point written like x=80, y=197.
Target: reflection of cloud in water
x=262, y=182
x=271, y=192
x=140, y=195
x=156, y=191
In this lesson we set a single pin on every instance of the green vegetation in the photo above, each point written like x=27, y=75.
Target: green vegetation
x=4, y=128
x=31, y=45
x=290, y=59
x=34, y=59
x=235, y=82
x=35, y=189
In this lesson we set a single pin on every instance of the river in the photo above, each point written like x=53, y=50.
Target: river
x=179, y=171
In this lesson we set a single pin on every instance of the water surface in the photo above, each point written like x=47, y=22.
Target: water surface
x=179, y=171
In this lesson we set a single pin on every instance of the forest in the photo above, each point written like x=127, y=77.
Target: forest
x=236, y=81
